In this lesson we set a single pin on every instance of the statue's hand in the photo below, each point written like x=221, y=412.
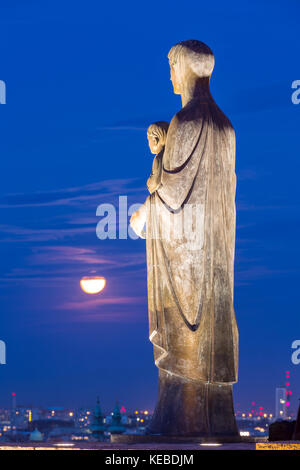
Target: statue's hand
x=137, y=221
x=153, y=183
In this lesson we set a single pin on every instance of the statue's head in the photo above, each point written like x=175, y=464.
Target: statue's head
x=157, y=136
x=190, y=60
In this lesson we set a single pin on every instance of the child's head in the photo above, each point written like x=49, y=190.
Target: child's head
x=157, y=136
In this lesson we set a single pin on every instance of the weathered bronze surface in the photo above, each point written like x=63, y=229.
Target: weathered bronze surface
x=190, y=237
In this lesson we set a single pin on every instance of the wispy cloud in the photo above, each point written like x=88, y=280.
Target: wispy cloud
x=54, y=264
x=15, y=234
x=47, y=255
x=244, y=206
x=73, y=211
x=136, y=123
x=122, y=128
x=248, y=174
x=112, y=317
x=91, y=194
x=63, y=255
x=244, y=276
x=98, y=301
x=56, y=234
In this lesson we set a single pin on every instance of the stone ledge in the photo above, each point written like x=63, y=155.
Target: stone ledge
x=159, y=439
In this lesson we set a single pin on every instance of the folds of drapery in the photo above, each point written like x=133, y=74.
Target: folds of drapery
x=190, y=249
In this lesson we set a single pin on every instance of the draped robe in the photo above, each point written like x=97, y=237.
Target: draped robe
x=190, y=248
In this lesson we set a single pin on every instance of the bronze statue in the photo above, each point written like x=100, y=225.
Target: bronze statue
x=190, y=237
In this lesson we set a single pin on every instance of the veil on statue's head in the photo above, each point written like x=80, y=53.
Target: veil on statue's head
x=192, y=56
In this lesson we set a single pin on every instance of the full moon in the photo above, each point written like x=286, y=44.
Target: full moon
x=92, y=285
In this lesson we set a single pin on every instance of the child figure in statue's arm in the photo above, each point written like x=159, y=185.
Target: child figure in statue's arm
x=157, y=135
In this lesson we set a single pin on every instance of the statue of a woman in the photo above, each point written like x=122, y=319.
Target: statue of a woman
x=190, y=255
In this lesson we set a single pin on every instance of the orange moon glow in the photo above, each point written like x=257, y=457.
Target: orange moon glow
x=92, y=285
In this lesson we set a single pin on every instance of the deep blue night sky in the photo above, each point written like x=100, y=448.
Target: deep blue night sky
x=84, y=80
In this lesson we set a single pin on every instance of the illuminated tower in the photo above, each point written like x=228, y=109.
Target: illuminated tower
x=280, y=403
x=14, y=401
x=288, y=392
x=252, y=410
x=13, y=413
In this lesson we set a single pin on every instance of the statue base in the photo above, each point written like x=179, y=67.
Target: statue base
x=193, y=408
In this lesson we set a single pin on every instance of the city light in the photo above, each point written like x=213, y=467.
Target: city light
x=64, y=444
x=210, y=444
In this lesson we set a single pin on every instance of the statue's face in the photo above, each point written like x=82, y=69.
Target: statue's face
x=174, y=81
x=154, y=144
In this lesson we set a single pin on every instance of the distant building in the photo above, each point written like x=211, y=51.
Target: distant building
x=46, y=426
x=280, y=403
x=116, y=426
x=97, y=427
x=36, y=436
